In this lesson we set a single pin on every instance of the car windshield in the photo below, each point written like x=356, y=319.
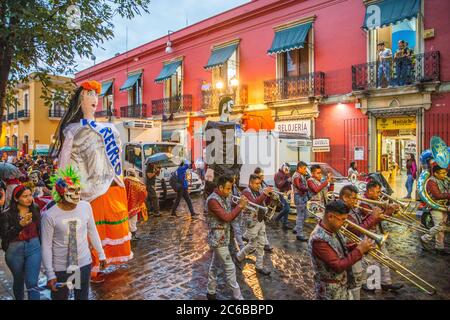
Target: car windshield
x=175, y=149
x=327, y=168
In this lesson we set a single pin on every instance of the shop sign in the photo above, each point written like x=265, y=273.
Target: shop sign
x=321, y=145
x=359, y=153
x=42, y=146
x=397, y=123
x=302, y=127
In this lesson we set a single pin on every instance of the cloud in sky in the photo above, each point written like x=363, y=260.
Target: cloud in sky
x=164, y=15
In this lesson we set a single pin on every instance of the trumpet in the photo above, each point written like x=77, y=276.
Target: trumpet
x=251, y=206
x=400, y=222
x=384, y=259
x=314, y=207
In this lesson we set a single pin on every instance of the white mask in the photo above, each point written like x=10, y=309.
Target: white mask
x=72, y=194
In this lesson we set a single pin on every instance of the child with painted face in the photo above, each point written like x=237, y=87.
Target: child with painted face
x=67, y=229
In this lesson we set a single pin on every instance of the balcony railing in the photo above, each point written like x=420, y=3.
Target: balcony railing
x=309, y=85
x=135, y=111
x=180, y=103
x=23, y=114
x=56, y=113
x=12, y=116
x=418, y=68
x=211, y=98
x=105, y=113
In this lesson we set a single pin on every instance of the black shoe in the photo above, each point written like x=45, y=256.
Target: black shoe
x=244, y=239
x=391, y=287
x=263, y=271
x=366, y=288
x=210, y=296
x=268, y=248
x=174, y=214
x=294, y=231
x=303, y=239
x=425, y=245
x=194, y=215
x=134, y=237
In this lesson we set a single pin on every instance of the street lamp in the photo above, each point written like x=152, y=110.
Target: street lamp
x=219, y=85
x=234, y=82
x=169, y=48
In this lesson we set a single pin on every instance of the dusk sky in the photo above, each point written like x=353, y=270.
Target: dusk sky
x=164, y=15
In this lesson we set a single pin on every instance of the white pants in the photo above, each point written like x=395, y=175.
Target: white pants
x=256, y=239
x=437, y=232
x=132, y=222
x=221, y=256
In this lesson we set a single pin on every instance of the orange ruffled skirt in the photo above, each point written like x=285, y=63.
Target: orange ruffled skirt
x=111, y=218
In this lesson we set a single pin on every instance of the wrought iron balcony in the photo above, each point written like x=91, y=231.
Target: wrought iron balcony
x=309, y=85
x=135, y=111
x=418, y=68
x=56, y=113
x=211, y=98
x=105, y=113
x=23, y=114
x=12, y=116
x=180, y=103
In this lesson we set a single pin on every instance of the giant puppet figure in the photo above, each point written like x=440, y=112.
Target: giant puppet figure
x=94, y=150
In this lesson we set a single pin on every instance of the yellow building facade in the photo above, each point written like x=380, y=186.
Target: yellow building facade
x=30, y=125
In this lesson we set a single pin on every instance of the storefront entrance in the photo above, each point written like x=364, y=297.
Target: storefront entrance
x=396, y=138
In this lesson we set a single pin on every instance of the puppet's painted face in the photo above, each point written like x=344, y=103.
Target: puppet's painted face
x=34, y=177
x=72, y=194
x=89, y=101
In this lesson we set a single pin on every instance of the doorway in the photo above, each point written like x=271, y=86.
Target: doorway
x=396, y=139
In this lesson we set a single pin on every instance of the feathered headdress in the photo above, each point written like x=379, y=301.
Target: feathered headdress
x=92, y=85
x=62, y=179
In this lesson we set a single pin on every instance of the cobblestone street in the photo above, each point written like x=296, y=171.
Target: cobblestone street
x=172, y=259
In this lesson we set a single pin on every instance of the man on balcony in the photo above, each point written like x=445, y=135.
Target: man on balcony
x=384, y=64
x=402, y=59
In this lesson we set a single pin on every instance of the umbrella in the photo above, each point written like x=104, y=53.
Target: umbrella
x=9, y=171
x=8, y=149
x=157, y=157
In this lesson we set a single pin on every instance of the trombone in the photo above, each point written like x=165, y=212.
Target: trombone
x=386, y=261
x=362, y=186
x=314, y=207
x=400, y=222
x=409, y=220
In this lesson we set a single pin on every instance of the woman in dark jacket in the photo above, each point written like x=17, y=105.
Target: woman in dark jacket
x=20, y=232
x=411, y=171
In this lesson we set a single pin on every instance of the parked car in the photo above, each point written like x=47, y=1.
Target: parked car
x=340, y=180
x=135, y=154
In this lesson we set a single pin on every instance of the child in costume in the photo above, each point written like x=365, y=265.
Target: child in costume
x=136, y=195
x=67, y=229
x=93, y=149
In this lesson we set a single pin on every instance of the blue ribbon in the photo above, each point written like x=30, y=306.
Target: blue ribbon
x=109, y=140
